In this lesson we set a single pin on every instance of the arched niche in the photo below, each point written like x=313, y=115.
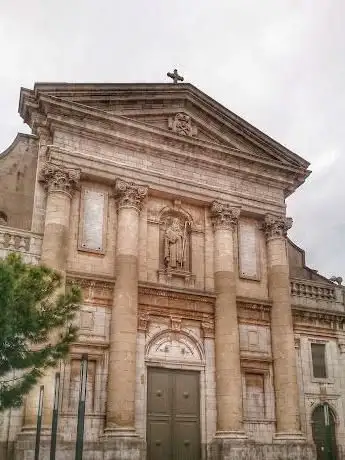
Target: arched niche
x=174, y=347
x=175, y=258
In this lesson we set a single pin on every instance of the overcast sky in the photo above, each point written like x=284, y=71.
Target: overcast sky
x=280, y=64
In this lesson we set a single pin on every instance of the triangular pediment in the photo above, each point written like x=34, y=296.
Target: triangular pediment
x=181, y=109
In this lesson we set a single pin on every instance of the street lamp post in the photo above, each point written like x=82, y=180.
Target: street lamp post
x=81, y=408
x=39, y=423
x=55, y=416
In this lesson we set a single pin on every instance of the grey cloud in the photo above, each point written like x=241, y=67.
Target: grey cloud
x=280, y=65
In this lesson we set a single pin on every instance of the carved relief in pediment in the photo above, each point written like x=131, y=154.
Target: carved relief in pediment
x=181, y=124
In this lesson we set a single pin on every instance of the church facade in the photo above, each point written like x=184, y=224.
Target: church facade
x=207, y=335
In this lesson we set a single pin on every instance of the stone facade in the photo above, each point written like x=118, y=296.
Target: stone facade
x=169, y=211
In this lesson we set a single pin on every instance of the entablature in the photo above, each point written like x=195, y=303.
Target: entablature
x=109, y=127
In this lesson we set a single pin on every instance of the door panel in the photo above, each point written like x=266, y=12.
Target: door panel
x=159, y=392
x=173, y=413
x=187, y=444
x=159, y=436
x=159, y=421
x=186, y=394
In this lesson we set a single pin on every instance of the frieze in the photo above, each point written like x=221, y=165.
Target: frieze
x=155, y=310
x=95, y=291
x=170, y=293
x=250, y=312
x=318, y=319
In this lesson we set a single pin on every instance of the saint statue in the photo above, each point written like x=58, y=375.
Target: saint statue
x=174, y=245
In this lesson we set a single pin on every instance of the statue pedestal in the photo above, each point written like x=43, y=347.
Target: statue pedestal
x=178, y=278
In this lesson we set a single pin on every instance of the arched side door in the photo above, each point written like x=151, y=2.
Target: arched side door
x=323, y=426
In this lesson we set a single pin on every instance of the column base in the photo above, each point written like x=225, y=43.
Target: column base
x=111, y=432
x=123, y=444
x=283, y=437
x=31, y=430
x=25, y=448
x=231, y=435
x=223, y=448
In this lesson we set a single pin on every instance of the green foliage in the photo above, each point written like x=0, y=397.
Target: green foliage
x=35, y=325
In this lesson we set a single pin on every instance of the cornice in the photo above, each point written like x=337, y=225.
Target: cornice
x=165, y=139
x=56, y=111
x=140, y=91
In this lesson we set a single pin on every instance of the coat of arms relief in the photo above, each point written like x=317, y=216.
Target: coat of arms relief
x=181, y=124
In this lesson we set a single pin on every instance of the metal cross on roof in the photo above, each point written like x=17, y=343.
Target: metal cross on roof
x=175, y=76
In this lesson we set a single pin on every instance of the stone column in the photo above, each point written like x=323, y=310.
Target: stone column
x=60, y=184
x=228, y=367
x=283, y=344
x=123, y=329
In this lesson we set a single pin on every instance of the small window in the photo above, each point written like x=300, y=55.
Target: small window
x=318, y=353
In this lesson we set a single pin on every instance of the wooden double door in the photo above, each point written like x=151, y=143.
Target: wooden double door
x=173, y=414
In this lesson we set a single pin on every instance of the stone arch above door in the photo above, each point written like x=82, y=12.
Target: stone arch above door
x=175, y=347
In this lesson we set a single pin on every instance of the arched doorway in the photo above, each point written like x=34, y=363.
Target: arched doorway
x=175, y=372
x=323, y=426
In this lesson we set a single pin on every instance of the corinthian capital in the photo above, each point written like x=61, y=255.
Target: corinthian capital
x=224, y=215
x=130, y=195
x=276, y=226
x=57, y=178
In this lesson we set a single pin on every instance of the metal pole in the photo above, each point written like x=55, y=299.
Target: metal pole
x=328, y=445
x=39, y=423
x=55, y=416
x=81, y=409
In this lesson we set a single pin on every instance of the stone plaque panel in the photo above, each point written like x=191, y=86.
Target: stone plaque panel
x=248, y=251
x=93, y=220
